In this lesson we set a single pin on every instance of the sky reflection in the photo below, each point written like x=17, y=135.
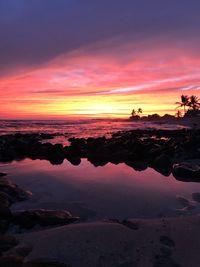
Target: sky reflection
x=111, y=191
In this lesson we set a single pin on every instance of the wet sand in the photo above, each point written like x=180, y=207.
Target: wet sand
x=172, y=242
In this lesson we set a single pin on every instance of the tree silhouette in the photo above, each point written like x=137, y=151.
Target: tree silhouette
x=194, y=102
x=139, y=111
x=184, y=102
x=133, y=113
x=178, y=114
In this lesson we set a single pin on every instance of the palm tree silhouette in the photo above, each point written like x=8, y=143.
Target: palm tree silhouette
x=194, y=102
x=184, y=102
x=133, y=113
x=178, y=114
x=139, y=111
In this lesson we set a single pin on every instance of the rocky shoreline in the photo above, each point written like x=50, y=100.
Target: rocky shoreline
x=176, y=152
x=10, y=193
x=166, y=151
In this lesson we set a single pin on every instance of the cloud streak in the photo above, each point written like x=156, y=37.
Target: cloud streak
x=34, y=32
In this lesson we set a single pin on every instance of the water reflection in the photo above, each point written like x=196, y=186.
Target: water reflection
x=110, y=191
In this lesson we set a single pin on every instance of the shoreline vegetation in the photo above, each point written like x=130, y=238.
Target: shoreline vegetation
x=191, y=110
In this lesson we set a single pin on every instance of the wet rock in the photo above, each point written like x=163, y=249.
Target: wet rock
x=165, y=261
x=77, y=147
x=74, y=160
x=137, y=165
x=163, y=162
x=44, y=263
x=30, y=218
x=5, y=213
x=19, y=251
x=4, y=224
x=165, y=240
x=134, y=225
x=98, y=161
x=186, y=171
x=11, y=261
x=56, y=156
x=14, y=192
x=186, y=209
x=183, y=201
x=5, y=199
x=196, y=197
x=56, y=160
x=127, y=264
x=130, y=147
x=7, y=242
x=166, y=251
x=2, y=174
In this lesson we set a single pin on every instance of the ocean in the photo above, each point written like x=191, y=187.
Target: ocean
x=79, y=128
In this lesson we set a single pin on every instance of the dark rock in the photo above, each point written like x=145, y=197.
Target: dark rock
x=134, y=225
x=44, y=263
x=166, y=251
x=186, y=171
x=11, y=261
x=19, y=251
x=4, y=224
x=74, y=160
x=183, y=201
x=196, y=197
x=5, y=199
x=14, y=192
x=128, y=264
x=163, y=162
x=7, y=242
x=2, y=174
x=30, y=218
x=5, y=213
x=98, y=161
x=165, y=240
x=137, y=165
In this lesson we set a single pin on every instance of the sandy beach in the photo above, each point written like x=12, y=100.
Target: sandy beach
x=142, y=243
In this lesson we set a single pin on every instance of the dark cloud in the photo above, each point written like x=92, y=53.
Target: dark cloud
x=35, y=31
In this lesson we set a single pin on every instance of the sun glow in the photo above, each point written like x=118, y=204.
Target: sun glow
x=108, y=88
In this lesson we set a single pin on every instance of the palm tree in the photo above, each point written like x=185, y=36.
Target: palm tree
x=194, y=102
x=139, y=111
x=178, y=114
x=133, y=113
x=184, y=102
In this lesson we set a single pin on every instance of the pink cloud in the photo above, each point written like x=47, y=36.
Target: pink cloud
x=80, y=77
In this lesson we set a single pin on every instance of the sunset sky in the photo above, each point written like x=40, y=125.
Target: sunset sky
x=98, y=58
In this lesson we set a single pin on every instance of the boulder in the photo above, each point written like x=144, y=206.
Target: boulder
x=162, y=162
x=13, y=192
x=11, y=261
x=196, y=197
x=186, y=171
x=7, y=242
x=21, y=250
x=44, y=263
x=5, y=200
x=2, y=174
x=30, y=218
